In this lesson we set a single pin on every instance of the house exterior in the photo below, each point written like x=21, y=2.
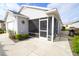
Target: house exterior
x=14, y=22
x=74, y=24
x=2, y=25
x=45, y=22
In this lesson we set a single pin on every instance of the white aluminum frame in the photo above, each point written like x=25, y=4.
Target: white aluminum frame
x=46, y=19
x=52, y=28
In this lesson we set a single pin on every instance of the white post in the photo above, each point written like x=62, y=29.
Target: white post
x=52, y=29
x=47, y=28
x=6, y=27
x=39, y=28
x=58, y=27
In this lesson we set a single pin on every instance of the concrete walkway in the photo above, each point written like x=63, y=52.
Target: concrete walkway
x=33, y=47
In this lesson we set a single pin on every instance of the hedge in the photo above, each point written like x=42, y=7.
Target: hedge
x=75, y=44
x=21, y=36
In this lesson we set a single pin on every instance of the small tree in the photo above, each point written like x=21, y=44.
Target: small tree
x=63, y=28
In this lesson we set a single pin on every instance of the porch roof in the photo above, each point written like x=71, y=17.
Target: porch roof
x=35, y=7
x=34, y=12
x=17, y=14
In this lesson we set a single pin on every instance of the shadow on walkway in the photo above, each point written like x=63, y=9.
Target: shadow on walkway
x=63, y=36
x=58, y=39
x=2, y=51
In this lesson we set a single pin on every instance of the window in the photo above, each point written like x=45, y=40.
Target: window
x=43, y=25
x=23, y=22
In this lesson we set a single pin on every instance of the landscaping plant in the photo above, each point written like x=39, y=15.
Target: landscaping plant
x=18, y=36
x=25, y=36
x=11, y=34
x=75, y=44
x=1, y=31
x=21, y=36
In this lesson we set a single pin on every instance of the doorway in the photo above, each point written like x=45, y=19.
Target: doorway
x=43, y=29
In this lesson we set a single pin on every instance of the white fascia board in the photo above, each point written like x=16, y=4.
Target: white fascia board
x=51, y=11
x=35, y=7
x=55, y=13
x=21, y=15
x=17, y=14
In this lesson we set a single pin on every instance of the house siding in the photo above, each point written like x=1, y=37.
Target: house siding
x=11, y=23
x=22, y=28
x=14, y=23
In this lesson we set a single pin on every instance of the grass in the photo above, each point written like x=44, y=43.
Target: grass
x=74, y=42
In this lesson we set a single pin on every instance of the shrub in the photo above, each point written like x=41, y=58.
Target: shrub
x=18, y=36
x=25, y=36
x=11, y=34
x=63, y=28
x=75, y=44
x=1, y=31
x=21, y=36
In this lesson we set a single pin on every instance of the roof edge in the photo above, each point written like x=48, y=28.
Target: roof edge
x=36, y=7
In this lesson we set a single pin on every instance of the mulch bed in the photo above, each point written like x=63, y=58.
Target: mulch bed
x=15, y=40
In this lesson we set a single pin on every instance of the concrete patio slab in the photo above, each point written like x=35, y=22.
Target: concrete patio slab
x=34, y=47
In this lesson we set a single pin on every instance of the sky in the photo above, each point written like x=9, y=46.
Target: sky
x=68, y=11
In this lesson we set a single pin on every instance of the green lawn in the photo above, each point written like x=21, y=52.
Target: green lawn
x=75, y=44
